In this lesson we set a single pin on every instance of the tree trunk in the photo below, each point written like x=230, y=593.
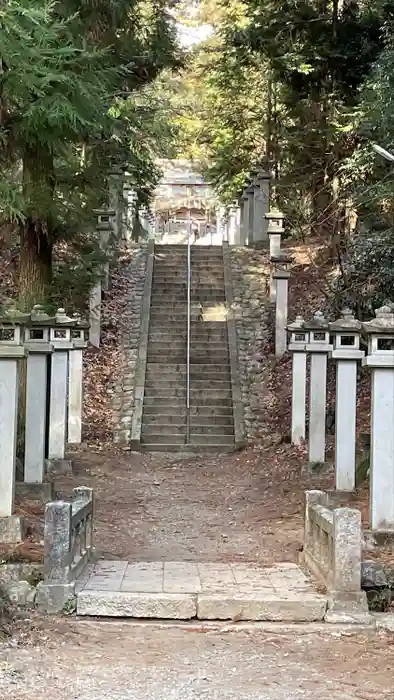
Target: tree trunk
x=36, y=231
x=35, y=270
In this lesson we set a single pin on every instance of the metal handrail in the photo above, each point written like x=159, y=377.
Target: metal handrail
x=188, y=343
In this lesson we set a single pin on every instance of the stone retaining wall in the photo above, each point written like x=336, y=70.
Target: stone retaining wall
x=129, y=337
x=252, y=314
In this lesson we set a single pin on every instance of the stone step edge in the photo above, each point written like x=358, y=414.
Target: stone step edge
x=187, y=606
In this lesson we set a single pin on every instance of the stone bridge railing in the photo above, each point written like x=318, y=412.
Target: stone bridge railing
x=333, y=552
x=68, y=548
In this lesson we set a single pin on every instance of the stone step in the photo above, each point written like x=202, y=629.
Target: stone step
x=162, y=383
x=167, y=316
x=212, y=429
x=157, y=334
x=180, y=358
x=197, y=421
x=204, y=401
x=168, y=308
x=204, y=591
x=158, y=298
x=178, y=391
x=216, y=439
x=205, y=447
x=173, y=373
x=177, y=407
x=160, y=403
x=165, y=419
x=224, y=376
x=160, y=409
x=174, y=438
x=163, y=367
x=204, y=397
x=198, y=424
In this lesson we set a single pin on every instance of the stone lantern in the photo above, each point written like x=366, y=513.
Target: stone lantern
x=36, y=339
x=60, y=338
x=275, y=229
x=79, y=337
x=346, y=332
x=297, y=345
x=318, y=345
x=105, y=219
x=11, y=353
x=380, y=358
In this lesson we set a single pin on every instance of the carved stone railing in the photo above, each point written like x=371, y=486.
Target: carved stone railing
x=68, y=548
x=333, y=553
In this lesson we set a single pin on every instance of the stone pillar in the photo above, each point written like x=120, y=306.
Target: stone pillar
x=11, y=353
x=281, y=281
x=105, y=230
x=244, y=218
x=40, y=349
x=380, y=359
x=220, y=222
x=95, y=315
x=75, y=377
x=233, y=226
x=60, y=338
x=346, y=353
x=261, y=208
x=274, y=231
x=250, y=222
x=297, y=346
x=318, y=346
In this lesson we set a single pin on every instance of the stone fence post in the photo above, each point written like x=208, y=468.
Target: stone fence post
x=318, y=346
x=261, y=207
x=11, y=353
x=380, y=359
x=79, y=338
x=274, y=230
x=297, y=346
x=37, y=334
x=346, y=353
x=281, y=281
x=60, y=338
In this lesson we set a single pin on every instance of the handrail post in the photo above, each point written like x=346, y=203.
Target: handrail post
x=188, y=342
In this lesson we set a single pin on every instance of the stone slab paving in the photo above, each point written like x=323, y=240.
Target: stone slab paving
x=206, y=591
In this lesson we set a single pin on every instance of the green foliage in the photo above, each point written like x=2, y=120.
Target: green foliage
x=74, y=108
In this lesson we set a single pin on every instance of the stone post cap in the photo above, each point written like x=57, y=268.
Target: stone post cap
x=297, y=325
x=274, y=214
x=263, y=174
x=38, y=316
x=104, y=212
x=15, y=318
x=79, y=321
x=383, y=323
x=61, y=318
x=317, y=322
x=346, y=322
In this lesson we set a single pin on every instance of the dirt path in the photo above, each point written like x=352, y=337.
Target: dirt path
x=238, y=507
x=120, y=661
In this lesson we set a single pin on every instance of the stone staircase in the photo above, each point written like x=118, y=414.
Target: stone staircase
x=164, y=418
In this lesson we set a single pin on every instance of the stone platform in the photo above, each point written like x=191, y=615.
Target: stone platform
x=203, y=591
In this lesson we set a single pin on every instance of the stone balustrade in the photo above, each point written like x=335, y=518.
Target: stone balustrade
x=333, y=553
x=68, y=548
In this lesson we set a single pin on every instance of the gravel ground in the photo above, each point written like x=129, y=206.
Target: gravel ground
x=246, y=506
x=122, y=661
